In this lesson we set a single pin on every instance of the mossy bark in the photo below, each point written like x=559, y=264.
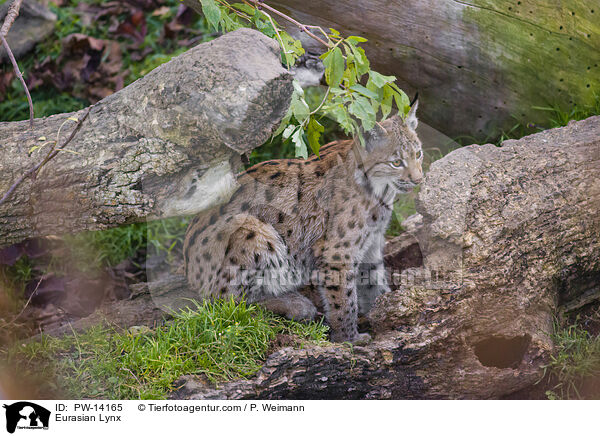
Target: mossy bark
x=480, y=66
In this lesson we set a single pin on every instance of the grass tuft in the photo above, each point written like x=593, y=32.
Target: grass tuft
x=575, y=362
x=92, y=250
x=222, y=340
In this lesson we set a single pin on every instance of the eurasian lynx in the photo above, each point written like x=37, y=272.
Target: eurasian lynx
x=320, y=221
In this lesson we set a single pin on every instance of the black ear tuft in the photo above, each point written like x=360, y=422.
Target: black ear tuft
x=411, y=118
x=415, y=98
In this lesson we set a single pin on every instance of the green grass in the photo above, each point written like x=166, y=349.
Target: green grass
x=576, y=360
x=558, y=117
x=222, y=340
x=92, y=250
x=12, y=286
x=403, y=208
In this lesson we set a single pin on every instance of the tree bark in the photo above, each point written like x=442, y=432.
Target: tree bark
x=477, y=64
x=166, y=145
x=508, y=236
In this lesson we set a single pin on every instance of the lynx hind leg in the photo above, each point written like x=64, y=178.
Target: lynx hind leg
x=241, y=255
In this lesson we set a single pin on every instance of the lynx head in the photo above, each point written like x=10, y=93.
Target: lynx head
x=391, y=160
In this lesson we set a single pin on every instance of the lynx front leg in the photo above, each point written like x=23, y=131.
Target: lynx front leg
x=371, y=277
x=337, y=286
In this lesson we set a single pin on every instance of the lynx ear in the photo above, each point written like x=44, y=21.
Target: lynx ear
x=411, y=118
x=374, y=137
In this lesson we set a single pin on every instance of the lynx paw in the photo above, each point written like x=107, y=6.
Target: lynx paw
x=362, y=339
x=292, y=306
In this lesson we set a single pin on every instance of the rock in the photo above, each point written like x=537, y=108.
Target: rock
x=34, y=24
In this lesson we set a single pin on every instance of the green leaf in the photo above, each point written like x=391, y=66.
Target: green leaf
x=298, y=88
x=230, y=22
x=300, y=108
x=386, y=102
x=361, y=108
x=298, y=105
x=263, y=26
x=356, y=39
x=375, y=89
x=292, y=48
x=284, y=123
x=402, y=101
x=247, y=9
x=351, y=75
x=298, y=49
x=334, y=66
x=334, y=32
x=379, y=79
x=364, y=91
x=212, y=13
x=314, y=131
x=298, y=140
x=288, y=131
x=340, y=114
x=362, y=63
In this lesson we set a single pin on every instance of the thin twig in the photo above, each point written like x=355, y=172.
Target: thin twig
x=322, y=101
x=28, y=301
x=32, y=172
x=302, y=27
x=278, y=35
x=11, y=15
x=136, y=379
x=235, y=11
x=20, y=76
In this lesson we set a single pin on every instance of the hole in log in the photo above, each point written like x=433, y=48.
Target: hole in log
x=407, y=257
x=502, y=352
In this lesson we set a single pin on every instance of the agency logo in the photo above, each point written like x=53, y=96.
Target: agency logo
x=26, y=415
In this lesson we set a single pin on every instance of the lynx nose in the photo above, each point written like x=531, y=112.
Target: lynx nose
x=416, y=176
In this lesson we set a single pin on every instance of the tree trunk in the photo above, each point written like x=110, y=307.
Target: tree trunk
x=477, y=64
x=166, y=145
x=506, y=237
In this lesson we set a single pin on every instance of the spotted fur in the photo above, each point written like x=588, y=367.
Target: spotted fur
x=320, y=221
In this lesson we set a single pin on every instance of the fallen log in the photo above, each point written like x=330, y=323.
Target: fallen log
x=506, y=234
x=493, y=60
x=166, y=145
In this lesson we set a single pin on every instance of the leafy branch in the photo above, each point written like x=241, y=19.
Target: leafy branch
x=356, y=95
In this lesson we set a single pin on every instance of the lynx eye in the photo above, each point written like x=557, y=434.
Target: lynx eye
x=419, y=154
x=398, y=163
